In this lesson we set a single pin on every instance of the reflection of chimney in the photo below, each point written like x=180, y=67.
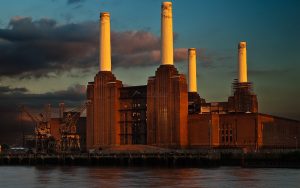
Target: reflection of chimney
x=105, y=51
x=242, y=63
x=192, y=70
x=166, y=34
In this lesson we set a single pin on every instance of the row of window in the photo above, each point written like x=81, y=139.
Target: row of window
x=226, y=131
x=136, y=114
x=136, y=105
x=227, y=139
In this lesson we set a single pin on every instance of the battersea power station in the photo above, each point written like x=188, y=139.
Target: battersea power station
x=169, y=112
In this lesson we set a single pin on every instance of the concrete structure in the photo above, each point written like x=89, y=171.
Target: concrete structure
x=105, y=48
x=242, y=62
x=105, y=108
x=166, y=34
x=167, y=113
x=102, y=114
x=167, y=98
x=192, y=70
x=242, y=130
x=167, y=108
x=194, y=100
x=243, y=98
x=202, y=132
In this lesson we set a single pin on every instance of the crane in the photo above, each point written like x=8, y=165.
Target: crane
x=43, y=139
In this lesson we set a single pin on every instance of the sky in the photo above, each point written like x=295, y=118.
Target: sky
x=49, y=50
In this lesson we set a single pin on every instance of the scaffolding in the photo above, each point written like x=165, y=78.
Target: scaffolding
x=243, y=98
x=70, y=139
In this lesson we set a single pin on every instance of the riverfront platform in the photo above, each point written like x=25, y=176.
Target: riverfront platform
x=140, y=155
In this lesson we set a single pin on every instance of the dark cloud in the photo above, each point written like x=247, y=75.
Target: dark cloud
x=17, y=96
x=12, y=98
x=4, y=90
x=38, y=48
x=35, y=48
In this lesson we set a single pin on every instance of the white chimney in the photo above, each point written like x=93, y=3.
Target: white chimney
x=242, y=62
x=166, y=34
x=192, y=70
x=105, y=48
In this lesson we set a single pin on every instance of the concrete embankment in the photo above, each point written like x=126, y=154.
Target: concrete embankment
x=281, y=159
x=209, y=158
x=117, y=159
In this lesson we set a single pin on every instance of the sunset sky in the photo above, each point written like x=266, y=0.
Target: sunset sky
x=49, y=49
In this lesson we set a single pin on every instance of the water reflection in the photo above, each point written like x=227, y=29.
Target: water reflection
x=72, y=176
x=243, y=177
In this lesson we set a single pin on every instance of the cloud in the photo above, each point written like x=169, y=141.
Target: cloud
x=16, y=96
x=8, y=90
x=139, y=48
x=137, y=41
x=36, y=48
x=12, y=98
x=41, y=48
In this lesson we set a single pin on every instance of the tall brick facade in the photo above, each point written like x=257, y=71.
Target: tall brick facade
x=167, y=108
x=105, y=110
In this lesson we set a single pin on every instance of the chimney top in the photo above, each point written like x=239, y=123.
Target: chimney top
x=242, y=45
x=166, y=3
x=103, y=14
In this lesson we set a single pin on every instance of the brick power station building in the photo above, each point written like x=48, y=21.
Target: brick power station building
x=168, y=111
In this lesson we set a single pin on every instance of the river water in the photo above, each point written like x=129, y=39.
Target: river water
x=70, y=176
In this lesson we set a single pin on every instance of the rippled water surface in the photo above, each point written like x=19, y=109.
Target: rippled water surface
x=22, y=176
